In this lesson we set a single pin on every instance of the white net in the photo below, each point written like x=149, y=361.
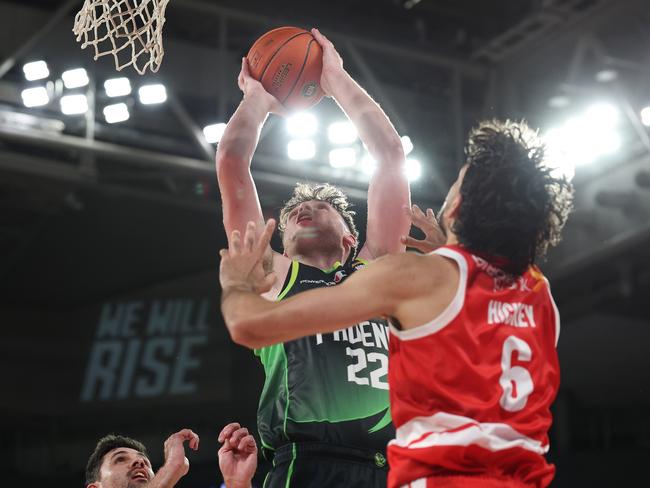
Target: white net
x=130, y=30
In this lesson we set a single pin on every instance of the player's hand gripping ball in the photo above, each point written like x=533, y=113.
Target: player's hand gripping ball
x=288, y=62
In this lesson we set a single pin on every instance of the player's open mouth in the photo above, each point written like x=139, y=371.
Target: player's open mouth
x=304, y=219
x=140, y=475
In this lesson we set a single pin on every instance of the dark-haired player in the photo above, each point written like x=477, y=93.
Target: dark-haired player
x=473, y=368
x=123, y=462
x=323, y=415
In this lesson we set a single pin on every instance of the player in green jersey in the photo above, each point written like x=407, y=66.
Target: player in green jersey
x=325, y=397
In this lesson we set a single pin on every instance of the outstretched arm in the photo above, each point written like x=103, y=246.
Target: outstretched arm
x=254, y=322
x=389, y=189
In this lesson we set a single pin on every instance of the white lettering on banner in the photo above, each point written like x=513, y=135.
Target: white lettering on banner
x=515, y=314
x=143, y=352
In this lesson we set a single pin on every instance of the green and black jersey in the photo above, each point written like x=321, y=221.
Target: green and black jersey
x=328, y=387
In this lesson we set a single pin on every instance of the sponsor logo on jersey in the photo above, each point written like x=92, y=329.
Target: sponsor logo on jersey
x=505, y=281
x=515, y=314
x=318, y=282
x=339, y=275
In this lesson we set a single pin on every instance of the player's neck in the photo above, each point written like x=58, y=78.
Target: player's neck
x=321, y=259
x=452, y=240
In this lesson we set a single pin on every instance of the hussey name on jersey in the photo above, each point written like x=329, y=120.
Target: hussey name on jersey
x=515, y=314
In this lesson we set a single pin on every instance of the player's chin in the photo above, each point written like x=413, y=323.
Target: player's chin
x=137, y=482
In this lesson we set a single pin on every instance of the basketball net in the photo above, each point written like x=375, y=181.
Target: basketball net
x=130, y=30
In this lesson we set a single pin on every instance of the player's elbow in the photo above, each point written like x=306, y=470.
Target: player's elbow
x=392, y=154
x=243, y=332
x=227, y=161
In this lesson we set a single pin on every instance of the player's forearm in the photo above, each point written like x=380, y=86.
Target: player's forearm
x=373, y=125
x=245, y=314
x=242, y=133
x=255, y=322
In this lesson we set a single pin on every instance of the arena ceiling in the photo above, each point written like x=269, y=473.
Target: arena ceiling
x=435, y=66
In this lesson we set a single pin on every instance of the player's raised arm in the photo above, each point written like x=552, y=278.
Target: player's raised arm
x=235, y=152
x=389, y=189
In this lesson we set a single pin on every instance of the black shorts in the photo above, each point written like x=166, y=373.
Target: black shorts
x=314, y=464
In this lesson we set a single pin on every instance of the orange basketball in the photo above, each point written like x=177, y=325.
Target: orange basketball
x=288, y=62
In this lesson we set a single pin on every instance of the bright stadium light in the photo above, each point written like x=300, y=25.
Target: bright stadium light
x=152, y=94
x=302, y=124
x=214, y=132
x=407, y=145
x=35, y=97
x=583, y=139
x=368, y=164
x=343, y=157
x=117, y=87
x=602, y=114
x=75, y=78
x=413, y=169
x=117, y=112
x=36, y=70
x=606, y=75
x=300, y=149
x=343, y=132
x=556, y=156
x=74, y=104
x=645, y=116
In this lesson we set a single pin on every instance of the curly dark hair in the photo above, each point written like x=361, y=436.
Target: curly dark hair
x=103, y=447
x=512, y=204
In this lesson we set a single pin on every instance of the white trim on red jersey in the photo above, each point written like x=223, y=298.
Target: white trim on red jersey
x=452, y=310
x=446, y=429
x=555, y=309
x=421, y=483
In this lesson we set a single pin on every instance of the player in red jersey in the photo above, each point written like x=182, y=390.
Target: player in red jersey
x=473, y=368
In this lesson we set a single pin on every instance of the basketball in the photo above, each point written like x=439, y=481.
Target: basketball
x=288, y=62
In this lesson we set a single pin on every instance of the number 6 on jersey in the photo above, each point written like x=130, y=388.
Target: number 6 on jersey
x=516, y=381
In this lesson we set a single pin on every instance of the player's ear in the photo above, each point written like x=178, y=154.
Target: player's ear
x=94, y=484
x=349, y=240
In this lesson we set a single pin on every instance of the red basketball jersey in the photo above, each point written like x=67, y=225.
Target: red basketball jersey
x=471, y=390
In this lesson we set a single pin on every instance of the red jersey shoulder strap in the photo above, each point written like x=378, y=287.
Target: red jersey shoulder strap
x=451, y=311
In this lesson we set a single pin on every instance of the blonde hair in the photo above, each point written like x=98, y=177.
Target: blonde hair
x=323, y=192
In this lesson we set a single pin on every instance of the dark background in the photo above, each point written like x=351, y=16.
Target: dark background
x=130, y=214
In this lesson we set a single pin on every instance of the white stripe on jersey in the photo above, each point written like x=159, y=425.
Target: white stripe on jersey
x=555, y=311
x=421, y=483
x=445, y=429
x=449, y=313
